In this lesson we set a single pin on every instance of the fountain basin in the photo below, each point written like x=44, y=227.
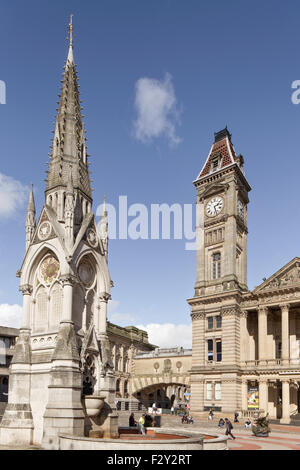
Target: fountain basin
x=155, y=439
x=93, y=404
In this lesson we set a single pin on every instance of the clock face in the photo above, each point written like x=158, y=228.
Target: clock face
x=44, y=230
x=92, y=238
x=214, y=206
x=240, y=207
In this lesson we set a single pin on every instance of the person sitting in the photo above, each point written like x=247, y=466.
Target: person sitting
x=132, y=421
x=221, y=423
x=184, y=419
x=190, y=420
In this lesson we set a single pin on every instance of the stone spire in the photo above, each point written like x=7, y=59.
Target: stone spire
x=30, y=218
x=69, y=211
x=69, y=144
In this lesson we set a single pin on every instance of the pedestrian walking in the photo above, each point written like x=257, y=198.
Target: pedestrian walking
x=172, y=410
x=229, y=427
x=236, y=415
x=211, y=414
x=142, y=425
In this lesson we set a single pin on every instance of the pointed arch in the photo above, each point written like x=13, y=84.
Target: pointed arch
x=30, y=266
x=78, y=306
x=101, y=268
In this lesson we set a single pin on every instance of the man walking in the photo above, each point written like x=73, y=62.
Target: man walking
x=229, y=427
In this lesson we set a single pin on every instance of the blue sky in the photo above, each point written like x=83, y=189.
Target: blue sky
x=229, y=63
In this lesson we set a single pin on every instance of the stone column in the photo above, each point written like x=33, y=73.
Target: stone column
x=285, y=354
x=244, y=337
x=68, y=282
x=26, y=291
x=84, y=314
x=199, y=356
x=263, y=395
x=244, y=395
x=17, y=423
x=64, y=412
x=285, y=419
x=103, y=299
x=262, y=334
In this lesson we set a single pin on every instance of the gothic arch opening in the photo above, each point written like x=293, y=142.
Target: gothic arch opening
x=56, y=305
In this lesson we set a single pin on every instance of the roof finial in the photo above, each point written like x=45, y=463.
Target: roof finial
x=70, y=31
x=70, y=58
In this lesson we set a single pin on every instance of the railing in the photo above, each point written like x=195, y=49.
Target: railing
x=251, y=413
x=272, y=363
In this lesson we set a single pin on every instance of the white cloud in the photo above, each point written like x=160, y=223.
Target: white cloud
x=122, y=319
x=10, y=315
x=13, y=194
x=168, y=335
x=156, y=107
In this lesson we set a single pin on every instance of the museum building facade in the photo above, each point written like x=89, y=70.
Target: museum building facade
x=246, y=353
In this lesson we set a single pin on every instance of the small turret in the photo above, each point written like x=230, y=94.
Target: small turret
x=30, y=218
x=104, y=228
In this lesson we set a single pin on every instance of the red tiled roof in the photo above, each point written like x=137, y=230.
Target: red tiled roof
x=220, y=147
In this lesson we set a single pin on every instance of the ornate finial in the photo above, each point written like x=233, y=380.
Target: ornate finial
x=70, y=30
x=104, y=207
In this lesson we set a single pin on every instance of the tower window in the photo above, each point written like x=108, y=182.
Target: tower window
x=218, y=393
x=214, y=350
x=214, y=322
x=214, y=164
x=218, y=350
x=208, y=390
x=216, y=265
x=210, y=323
x=210, y=350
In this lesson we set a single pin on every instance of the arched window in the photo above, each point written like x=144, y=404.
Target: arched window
x=118, y=385
x=41, y=307
x=216, y=265
x=55, y=306
x=125, y=386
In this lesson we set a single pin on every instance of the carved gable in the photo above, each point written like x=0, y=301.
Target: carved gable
x=287, y=276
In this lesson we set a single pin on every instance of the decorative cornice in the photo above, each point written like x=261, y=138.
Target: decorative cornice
x=198, y=315
x=230, y=310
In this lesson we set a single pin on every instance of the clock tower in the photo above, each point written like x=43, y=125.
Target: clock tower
x=221, y=275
